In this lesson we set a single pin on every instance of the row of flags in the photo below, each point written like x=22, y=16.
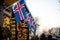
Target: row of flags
x=20, y=12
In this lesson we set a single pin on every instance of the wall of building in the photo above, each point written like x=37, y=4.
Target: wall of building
x=9, y=2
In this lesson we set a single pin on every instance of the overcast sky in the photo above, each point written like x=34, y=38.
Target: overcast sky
x=48, y=12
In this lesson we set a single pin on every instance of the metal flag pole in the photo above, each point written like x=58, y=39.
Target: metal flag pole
x=17, y=31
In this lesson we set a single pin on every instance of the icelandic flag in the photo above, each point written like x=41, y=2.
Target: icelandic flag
x=33, y=23
x=19, y=10
x=30, y=21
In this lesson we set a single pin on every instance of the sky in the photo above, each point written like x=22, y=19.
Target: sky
x=48, y=12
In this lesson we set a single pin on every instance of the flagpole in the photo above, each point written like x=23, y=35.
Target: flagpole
x=35, y=31
x=17, y=31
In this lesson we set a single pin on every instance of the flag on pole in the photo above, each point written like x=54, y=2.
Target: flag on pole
x=33, y=23
x=30, y=21
x=19, y=10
